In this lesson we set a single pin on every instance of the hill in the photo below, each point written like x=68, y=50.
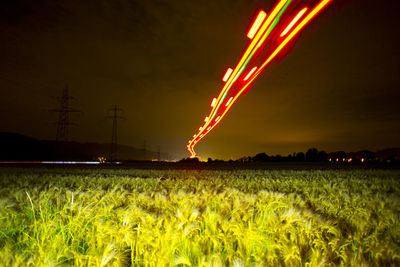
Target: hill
x=20, y=147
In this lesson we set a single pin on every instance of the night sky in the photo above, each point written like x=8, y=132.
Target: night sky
x=162, y=62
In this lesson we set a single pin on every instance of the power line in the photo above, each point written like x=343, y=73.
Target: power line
x=63, y=111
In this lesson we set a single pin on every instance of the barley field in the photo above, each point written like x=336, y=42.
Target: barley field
x=115, y=217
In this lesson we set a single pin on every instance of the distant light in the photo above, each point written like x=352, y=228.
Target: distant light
x=229, y=101
x=350, y=160
x=250, y=73
x=256, y=24
x=227, y=74
x=205, y=119
x=291, y=24
x=194, y=136
x=200, y=128
x=362, y=159
x=337, y=159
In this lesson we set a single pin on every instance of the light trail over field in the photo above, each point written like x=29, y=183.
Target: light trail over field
x=269, y=33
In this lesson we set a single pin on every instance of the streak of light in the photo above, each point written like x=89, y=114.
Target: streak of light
x=51, y=162
x=239, y=68
x=257, y=23
x=229, y=101
x=213, y=102
x=303, y=23
x=291, y=24
x=243, y=61
x=249, y=74
x=227, y=74
x=71, y=162
x=228, y=84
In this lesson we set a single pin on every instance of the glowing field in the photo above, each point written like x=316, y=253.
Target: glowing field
x=94, y=217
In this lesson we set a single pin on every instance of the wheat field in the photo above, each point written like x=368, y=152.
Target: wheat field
x=111, y=217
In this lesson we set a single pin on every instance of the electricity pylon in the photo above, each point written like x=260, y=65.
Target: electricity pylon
x=63, y=111
x=114, y=142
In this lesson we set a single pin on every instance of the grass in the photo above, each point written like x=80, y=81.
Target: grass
x=90, y=217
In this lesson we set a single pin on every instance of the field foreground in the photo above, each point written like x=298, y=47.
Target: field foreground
x=199, y=218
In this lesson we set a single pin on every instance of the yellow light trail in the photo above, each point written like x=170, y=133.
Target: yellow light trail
x=299, y=15
x=257, y=23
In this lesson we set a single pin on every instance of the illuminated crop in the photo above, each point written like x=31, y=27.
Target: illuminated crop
x=128, y=217
x=269, y=35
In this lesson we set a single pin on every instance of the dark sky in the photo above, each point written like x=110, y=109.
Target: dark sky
x=162, y=62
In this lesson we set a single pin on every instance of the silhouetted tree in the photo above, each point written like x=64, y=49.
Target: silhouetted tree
x=189, y=160
x=312, y=154
x=300, y=156
x=244, y=159
x=322, y=156
x=261, y=157
x=368, y=155
x=340, y=155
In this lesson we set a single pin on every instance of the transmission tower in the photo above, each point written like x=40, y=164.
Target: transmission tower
x=63, y=111
x=114, y=144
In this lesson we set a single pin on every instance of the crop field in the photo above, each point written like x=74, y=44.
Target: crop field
x=122, y=217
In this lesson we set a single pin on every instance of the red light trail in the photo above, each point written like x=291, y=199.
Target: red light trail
x=268, y=39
